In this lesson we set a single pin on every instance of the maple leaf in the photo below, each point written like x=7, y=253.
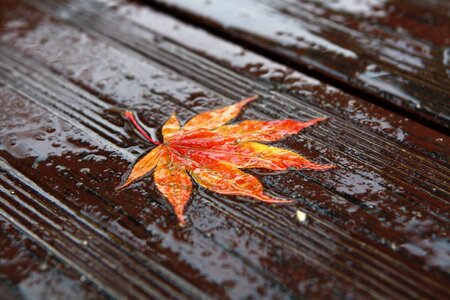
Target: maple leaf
x=213, y=153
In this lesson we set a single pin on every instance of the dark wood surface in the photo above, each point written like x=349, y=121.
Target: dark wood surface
x=377, y=225
x=394, y=51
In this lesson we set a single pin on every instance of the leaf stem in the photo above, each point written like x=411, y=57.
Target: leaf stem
x=132, y=118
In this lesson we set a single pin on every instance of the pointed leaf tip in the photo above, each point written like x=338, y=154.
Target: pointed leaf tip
x=250, y=99
x=318, y=167
x=181, y=220
x=171, y=127
x=321, y=119
x=122, y=186
x=269, y=199
x=314, y=121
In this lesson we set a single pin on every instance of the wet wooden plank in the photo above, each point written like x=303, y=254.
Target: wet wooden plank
x=31, y=271
x=147, y=24
x=383, y=211
x=395, y=51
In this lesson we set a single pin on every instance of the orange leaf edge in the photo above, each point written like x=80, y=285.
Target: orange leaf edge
x=315, y=121
x=318, y=167
x=125, y=184
x=269, y=199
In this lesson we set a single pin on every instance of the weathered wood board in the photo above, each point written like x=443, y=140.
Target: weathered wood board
x=396, y=51
x=376, y=227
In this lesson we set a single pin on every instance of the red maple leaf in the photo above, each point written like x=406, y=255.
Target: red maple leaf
x=212, y=153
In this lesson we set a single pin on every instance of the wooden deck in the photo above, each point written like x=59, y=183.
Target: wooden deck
x=377, y=225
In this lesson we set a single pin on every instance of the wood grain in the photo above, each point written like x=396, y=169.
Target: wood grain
x=377, y=226
x=30, y=271
x=392, y=50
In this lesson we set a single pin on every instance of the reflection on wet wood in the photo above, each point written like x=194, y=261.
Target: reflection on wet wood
x=375, y=227
x=394, y=50
x=30, y=271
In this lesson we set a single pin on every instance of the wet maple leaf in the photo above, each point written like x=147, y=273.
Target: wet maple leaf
x=212, y=153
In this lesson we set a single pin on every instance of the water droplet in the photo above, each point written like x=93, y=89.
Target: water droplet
x=85, y=170
x=129, y=76
x=301, y=216
x=43, y=266
x=372, y=68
